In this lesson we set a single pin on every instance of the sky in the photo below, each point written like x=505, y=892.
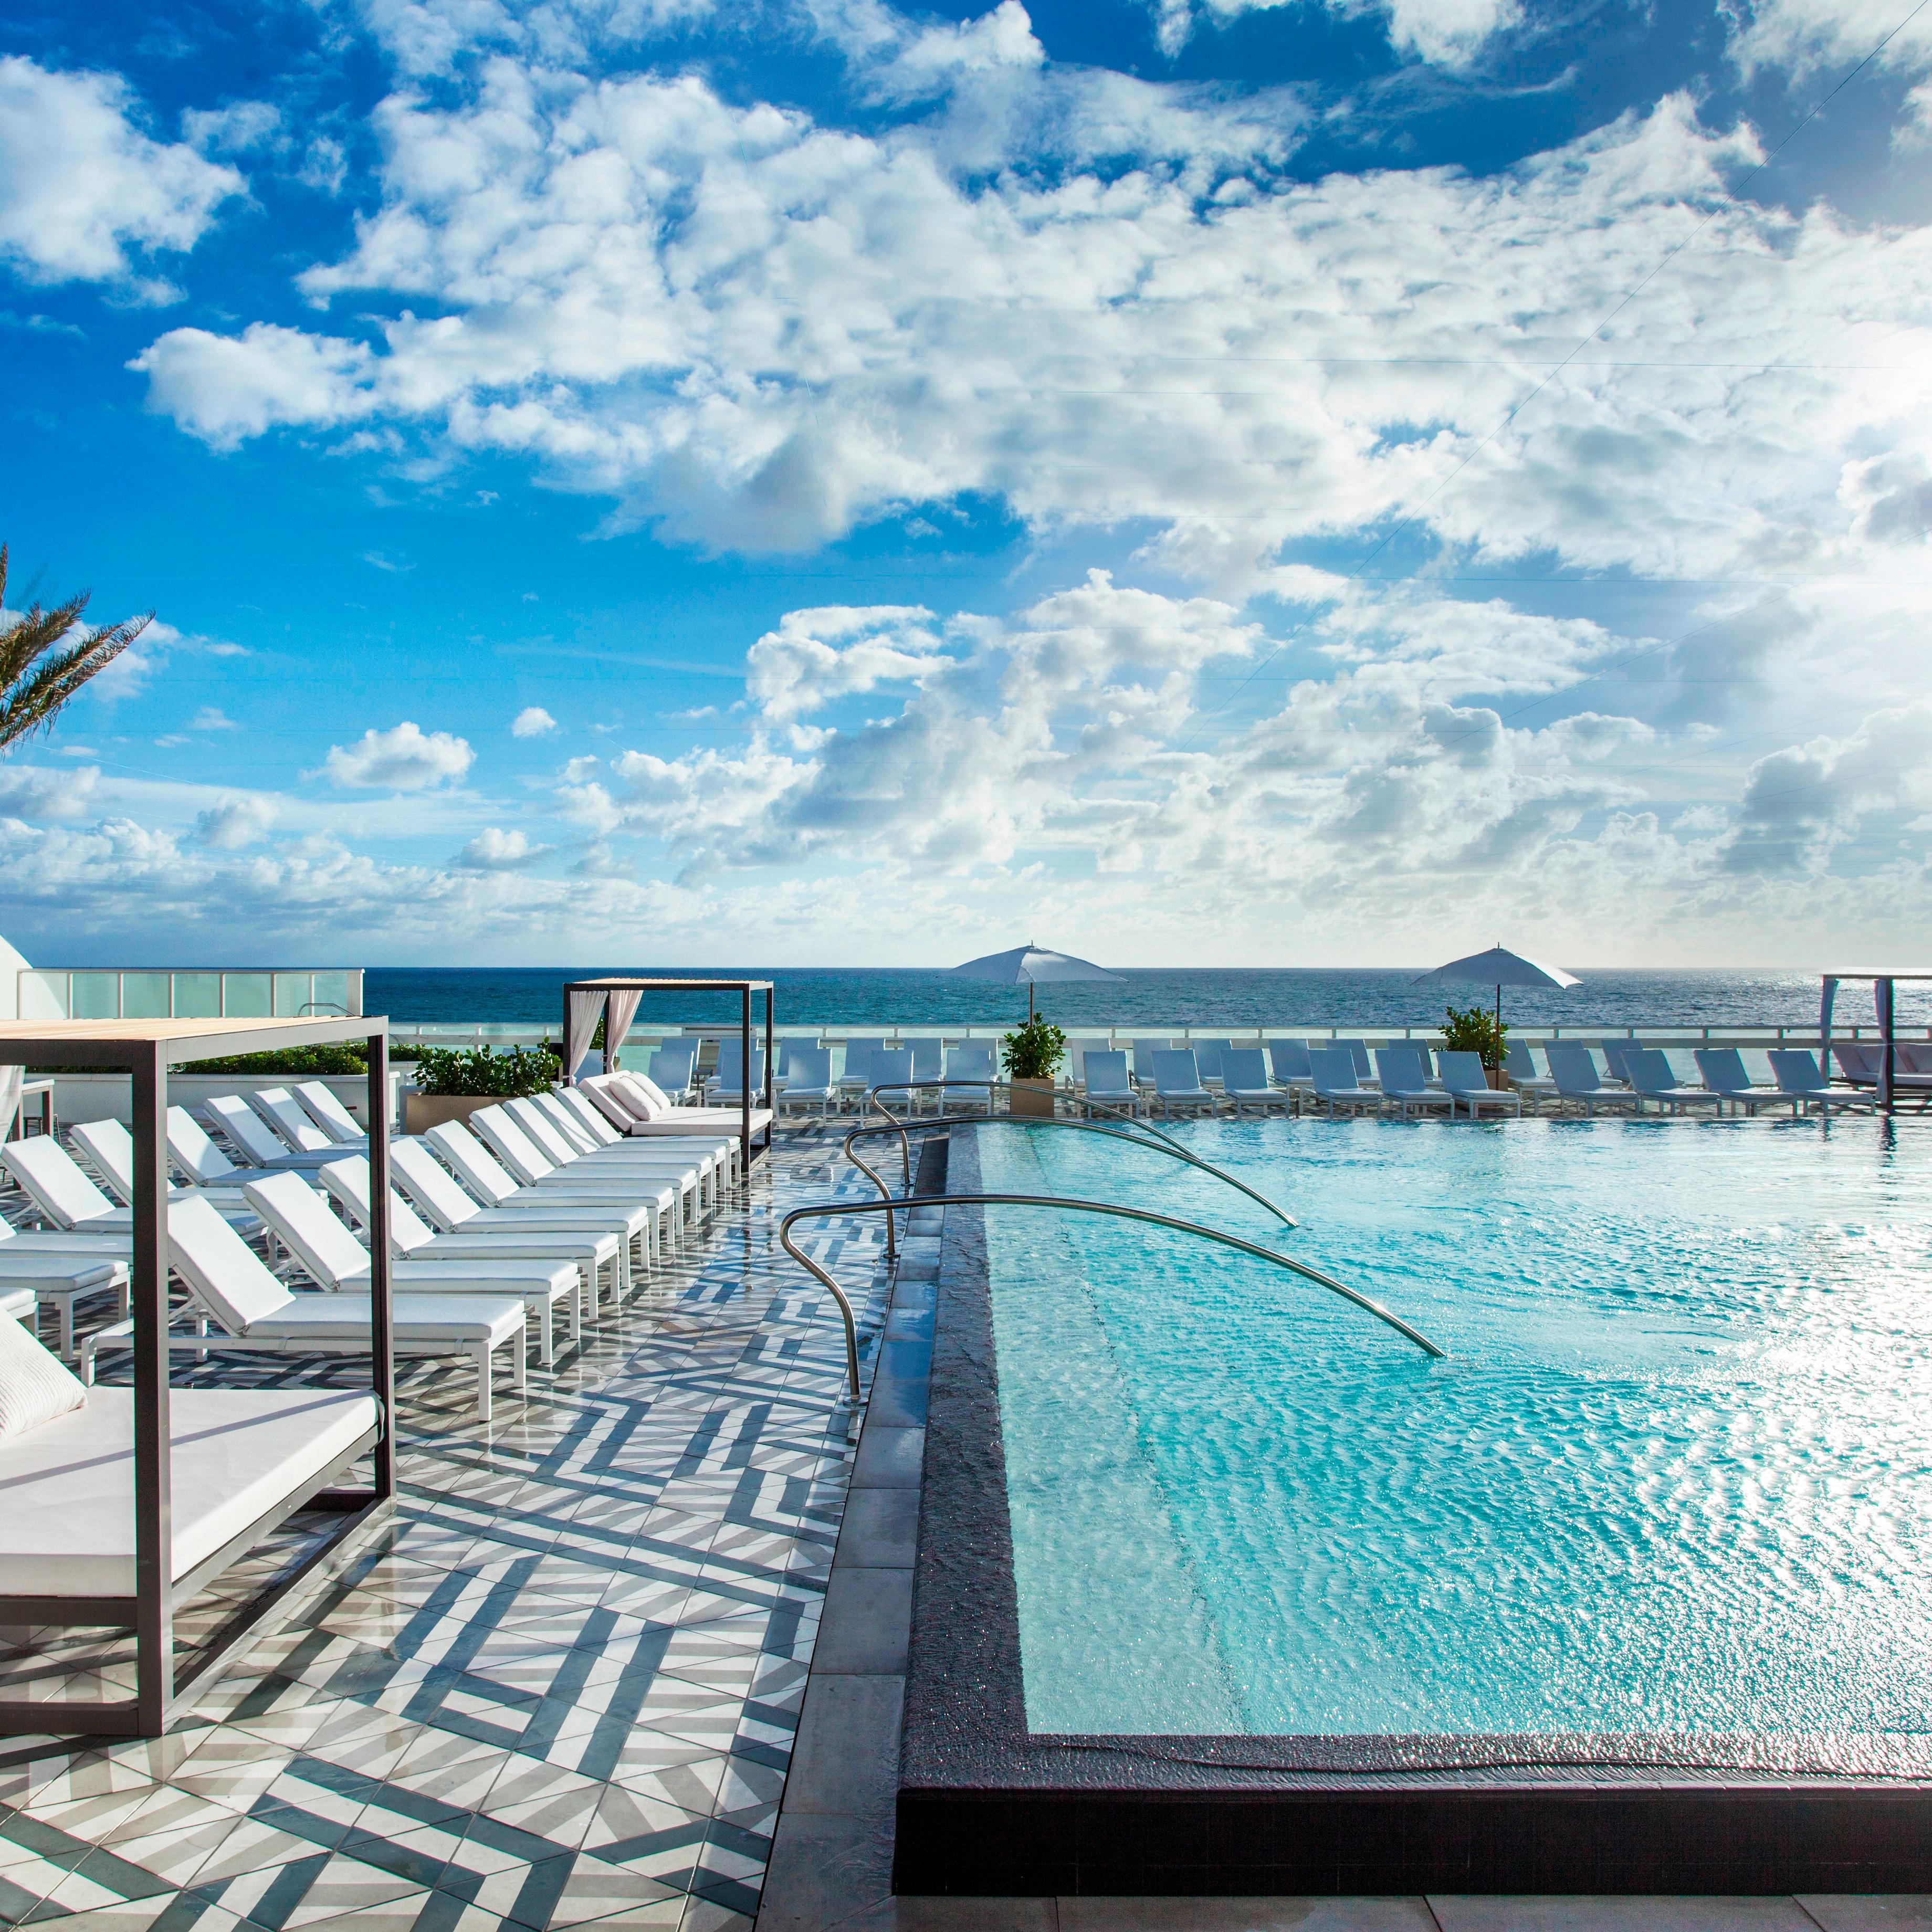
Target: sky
x=1191, y=482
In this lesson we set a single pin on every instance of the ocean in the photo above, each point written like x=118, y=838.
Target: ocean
x=1244, y=997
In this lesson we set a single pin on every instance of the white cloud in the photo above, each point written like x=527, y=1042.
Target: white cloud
x=83, y=191
x=26, y=792
x=212, y=718
x=403, y=759
x=759, y=332
x=795, y=669
x=1449, y=33
x=1802, y=37
x=493, y=850
x=239, y=128
x=532, y=721
x=235, y=822
x=226, y=389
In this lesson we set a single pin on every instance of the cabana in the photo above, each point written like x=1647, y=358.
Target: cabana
x=1883, y=979
x=211, y=1471
x=616, y=1003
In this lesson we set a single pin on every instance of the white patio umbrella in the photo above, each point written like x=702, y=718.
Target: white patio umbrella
x=1500, y=968
x=1031, y=966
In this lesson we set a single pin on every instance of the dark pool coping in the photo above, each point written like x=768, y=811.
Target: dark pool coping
x=986, y=1807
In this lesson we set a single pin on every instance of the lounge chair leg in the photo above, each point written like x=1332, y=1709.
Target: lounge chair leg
x=520, y=1362
x=483, y=1388
x=546, y=1334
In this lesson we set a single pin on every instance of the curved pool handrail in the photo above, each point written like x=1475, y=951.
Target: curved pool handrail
x=821, y=1209
x=1160, y=1144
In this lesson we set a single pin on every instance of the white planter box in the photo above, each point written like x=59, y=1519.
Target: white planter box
x=105, y=1096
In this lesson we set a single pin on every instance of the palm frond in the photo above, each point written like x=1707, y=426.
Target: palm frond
x=37, y=676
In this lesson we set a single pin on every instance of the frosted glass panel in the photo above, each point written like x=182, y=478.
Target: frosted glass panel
x=291, y=995
x=144, y=996
x=331, y=992
x=96, y=996
x=245, y=996
x=197, y=996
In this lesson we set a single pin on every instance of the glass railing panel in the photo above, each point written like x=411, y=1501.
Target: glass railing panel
x=197, y=996
x=331, y=995
x=293, y=995
x=144, y=996
x=93, y=996
x=245, y=996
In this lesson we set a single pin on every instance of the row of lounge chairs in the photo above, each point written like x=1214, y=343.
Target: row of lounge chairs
x=538, y=1208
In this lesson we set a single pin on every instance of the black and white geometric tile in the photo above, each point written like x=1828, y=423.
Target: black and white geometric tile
x=560, y=1690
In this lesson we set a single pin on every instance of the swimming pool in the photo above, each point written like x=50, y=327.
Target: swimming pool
x=1671, y=1483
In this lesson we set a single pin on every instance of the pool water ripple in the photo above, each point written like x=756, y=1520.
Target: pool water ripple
x=1673, y=1480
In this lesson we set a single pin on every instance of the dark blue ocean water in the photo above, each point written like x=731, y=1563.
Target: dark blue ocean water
x=1343, y=996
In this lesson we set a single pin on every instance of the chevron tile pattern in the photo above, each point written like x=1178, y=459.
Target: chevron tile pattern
x=561, y=1691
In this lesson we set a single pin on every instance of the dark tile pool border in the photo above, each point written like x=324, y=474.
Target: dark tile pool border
x=986, y=1808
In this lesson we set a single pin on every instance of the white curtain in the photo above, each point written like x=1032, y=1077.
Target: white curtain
x=10, y=1078
x=584, y=1008
x=618, y=1015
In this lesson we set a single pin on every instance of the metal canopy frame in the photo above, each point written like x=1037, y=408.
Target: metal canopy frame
x=1882, y=980
x=744, y=988
x=146, y=1050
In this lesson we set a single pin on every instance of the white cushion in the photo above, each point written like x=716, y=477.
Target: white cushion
x=67, y=1491
x=651, y=1088
x=631, y=1091
x=35, y=1387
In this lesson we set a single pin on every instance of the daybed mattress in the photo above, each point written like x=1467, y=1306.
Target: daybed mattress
x=66, y=1489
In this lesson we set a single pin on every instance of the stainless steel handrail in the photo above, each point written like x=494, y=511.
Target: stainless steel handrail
x=1160, y=1144
x=819, y=1210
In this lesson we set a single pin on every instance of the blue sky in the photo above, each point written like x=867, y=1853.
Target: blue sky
x=1187, y=480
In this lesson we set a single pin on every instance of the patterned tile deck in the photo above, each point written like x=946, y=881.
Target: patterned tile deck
x=562, y=1689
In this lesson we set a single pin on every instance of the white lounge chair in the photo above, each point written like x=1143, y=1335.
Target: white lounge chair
x=855, y=1064
x=61, y=1271
x=329, y=1114
x=110, y=1149
x=971, y=1060
x=1573, y=1068
x=1722, y=1068
x=442, y=1199
x=1207, y=1059
x=1332, y=1075
x=672, y=1065
x=564, y=1144
x=296, y=1123
x=1405, y=1081
x=703, y=1122
x=1244, y=1080
x=333, y=1258
x=1654, y=1077
x=808, y=1082
x=1358, y=1050
x=1106, y=1082
x=196, y=1157
x=1465, y=1079
x=59, y=1189
x=620, y=1173
x=412, y=1239
x=229, y=1283
x=245, y=1130
x=1801, y=1083
x=656, y=1217
x=1176, y=1083
x=1520, y=1065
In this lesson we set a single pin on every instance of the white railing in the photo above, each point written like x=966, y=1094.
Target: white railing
x=209, y=993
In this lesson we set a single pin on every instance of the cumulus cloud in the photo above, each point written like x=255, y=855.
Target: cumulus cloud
x=404, y=759
x=759, y=332
x=1803, y=36
x=1449, y=33
x=31, y=792
x=84, y=193
x=493, y=850
x=532, y=721
x=235, y=822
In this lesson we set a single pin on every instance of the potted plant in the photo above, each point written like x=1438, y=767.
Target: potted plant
x=1478, y=1030
x=453, y=1082
x=1031, y=1053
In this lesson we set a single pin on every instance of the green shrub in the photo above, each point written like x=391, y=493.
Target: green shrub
x=1033, y=1052
x=346, y=1057
x=480, y=1070
x=1477, y=1030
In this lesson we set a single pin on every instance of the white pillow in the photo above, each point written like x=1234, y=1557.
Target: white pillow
x=35, y=1386
x=651, y=1089
x=631, y=1091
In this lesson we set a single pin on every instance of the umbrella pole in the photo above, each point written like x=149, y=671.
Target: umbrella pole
x=1029, y=1003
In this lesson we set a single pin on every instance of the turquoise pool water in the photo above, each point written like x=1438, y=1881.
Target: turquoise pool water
x=1673, y=1480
